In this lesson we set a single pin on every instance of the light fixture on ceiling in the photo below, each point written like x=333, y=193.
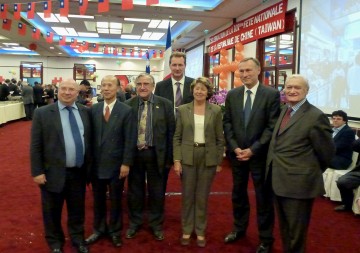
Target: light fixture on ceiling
x=109, y=27
x=54, y=18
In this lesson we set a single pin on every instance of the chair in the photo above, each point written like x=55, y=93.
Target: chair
x=355, y=207
x=330, y=177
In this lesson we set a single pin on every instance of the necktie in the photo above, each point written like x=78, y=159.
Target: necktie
x=247, y=108
x=77, y=138
x=107, y=113
x=142, y=125
x=286, y=118
x=178, y=99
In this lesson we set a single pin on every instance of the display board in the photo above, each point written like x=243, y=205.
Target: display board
x=195, y=61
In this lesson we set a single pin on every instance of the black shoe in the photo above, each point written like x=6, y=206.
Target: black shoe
x=233, y=236
x=130, y=233
x=93, y=238
x=264, y=248
x=116, y=240
x=56, y=250
x=342, y=208
x=82, y=248
x=159, y=235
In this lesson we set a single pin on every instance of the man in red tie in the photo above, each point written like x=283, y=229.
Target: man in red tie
x=114, y=139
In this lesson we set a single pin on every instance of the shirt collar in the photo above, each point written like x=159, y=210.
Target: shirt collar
x=298, y=105
x=182, y=80
x=150, y=100
x=111, y=105
x=339, y=128
x=62, y=106
x=253, y=89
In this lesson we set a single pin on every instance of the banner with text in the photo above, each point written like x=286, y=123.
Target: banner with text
x=262, y=24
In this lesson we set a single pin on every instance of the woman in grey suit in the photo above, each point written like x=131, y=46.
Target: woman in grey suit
x=198, y=153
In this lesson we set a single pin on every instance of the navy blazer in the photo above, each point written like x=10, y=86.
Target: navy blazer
x=343, y=141
x=47, y=148
x=165, y=89
x=113, y=146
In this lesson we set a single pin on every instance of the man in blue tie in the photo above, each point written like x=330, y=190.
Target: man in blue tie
x=60, y=152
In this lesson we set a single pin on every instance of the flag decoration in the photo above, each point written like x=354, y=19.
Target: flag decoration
x=17, y=11
x=127, y=5
x=132, y=52
x=3, y=11
x=35, y=34
x=83, y=5
x=151, y=2
x=106, y=49
x=49, y=37
x=6, y=25
x=140, y=53
x=30, y=10
x=103, y=6
x=85, y=45
x=161, y=53
x=147, y=68
x=62, y=40
x=73, y=43
x=154, y=53
x=21, y=29
x=47, y=9
x=123, y=51
x=95, y=47
x=64, y=8
x=115, y=51
x=167, y=72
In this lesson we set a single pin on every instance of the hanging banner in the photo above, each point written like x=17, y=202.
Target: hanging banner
x=260, y=25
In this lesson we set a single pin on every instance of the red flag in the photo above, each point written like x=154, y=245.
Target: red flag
x=30, y=10
x=85, y=45
x=132, y=52
x=35, y=33
x=123, y=51
x=106, y=49
x=47, y=9
x=3, y=11
x=115, y=51
x=17, y=11
x=95, y=47
x=83, y=5
x=127, y=5
x=62, y=40
x=103, y=6
x=161, y=54
x=64, y=8
x=49, y=37
x=150, y=2
x=140, y=53
x=154, y=53
x=6, y=24
x=21, y=29
x=73, y=43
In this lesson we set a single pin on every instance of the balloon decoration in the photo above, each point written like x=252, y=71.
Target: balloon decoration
x=32, y=46
x=13, y=72
x=225, y=67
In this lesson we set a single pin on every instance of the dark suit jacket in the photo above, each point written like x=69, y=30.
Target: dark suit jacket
x=300, y=153
x=38, y=94
x=115, y=145
x=343, y=141
x=264, y=113
x=48, y=146
x=165, y=89
x=163, y=127
x=184, y=135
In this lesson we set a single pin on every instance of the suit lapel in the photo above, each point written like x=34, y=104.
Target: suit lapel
x=208, y=115
x=295, y=118
x=57, y=122
x=169, y=89
x=190, y=114
x=115, y=113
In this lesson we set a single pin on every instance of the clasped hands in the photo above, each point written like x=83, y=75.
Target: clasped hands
x=243, y=154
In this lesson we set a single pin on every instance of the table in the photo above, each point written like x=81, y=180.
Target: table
x=11, y=111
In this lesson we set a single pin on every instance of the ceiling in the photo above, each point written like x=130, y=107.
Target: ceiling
x=190, y=22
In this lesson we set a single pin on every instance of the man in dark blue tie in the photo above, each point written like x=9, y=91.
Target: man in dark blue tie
x=60, y=152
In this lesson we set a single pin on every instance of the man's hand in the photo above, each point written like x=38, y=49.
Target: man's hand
x=41, y=179
x=243, y=154
x=177, y=168
x=124, y=171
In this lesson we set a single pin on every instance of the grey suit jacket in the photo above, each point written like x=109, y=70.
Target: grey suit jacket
x=114, y=145
x=47, y=147
x=27, y=94
x=165, y=89
x=163, y=127
x=300, y=153
x=184, y=135
x=264, y=113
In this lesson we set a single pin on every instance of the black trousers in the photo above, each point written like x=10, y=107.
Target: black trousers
x=29, y=110
x=346, y=184
x=144, y=175
x=115, y=187
x=52, y=205
x=240, y=198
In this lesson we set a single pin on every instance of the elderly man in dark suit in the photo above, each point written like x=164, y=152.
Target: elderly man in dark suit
x=60, y=151
x=155, y=128
x=300, y=151
x=343, y=137
x=175, y=88
x=250, y=115
x=114, y=141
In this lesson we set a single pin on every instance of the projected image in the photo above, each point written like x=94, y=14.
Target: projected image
x=330, y=54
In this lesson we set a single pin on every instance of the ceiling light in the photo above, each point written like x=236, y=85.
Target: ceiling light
x=71, y=31
x=103, y=30
x=130, y=37
x=11, y=44
x=51, y=19
x=115, y=25
x=81, y=16
x=127, y=28
x=115, y=31
x=51, y=47
x=102, y=24
x=60, y=30
x=3, y=38
x=137, y=20
x=59, y=53
x=62, y=19
x=83, y=34
x=90, y=26
x=156, y=36
x=154, y=23
x=146, y=35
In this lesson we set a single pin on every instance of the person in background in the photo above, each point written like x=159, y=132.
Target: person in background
x=85, y=94
x=49, y=94
x=27, y=94
x=343, y=137
x=198, y=154
x=4, y=90
x=60, y=155
x=120, y=95
x=14, y=88
x=128, y=91
x=300, y=151
x=176, y=88
x=153, y=152
x=38, y=95
x=113, y=143
x=250, y=115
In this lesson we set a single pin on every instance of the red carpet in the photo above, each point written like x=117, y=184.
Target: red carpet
x=21, y=228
